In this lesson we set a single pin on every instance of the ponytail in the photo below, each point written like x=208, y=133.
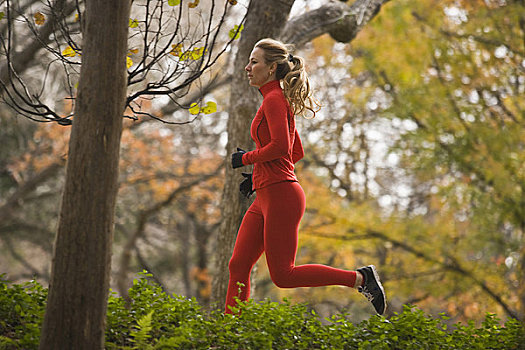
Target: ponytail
x=291, y=70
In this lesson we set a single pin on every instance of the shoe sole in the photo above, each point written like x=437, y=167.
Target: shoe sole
x=376, y=276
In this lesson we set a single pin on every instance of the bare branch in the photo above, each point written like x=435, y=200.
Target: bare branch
x=191, y=69
x=343, y=22
x=160, y=72
x=21, y=60
x=20, y=258
x=15, y=200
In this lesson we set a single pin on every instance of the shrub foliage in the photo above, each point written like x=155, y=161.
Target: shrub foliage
x=156, y=320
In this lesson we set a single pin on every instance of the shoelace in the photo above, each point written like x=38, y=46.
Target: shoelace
x=368, y=295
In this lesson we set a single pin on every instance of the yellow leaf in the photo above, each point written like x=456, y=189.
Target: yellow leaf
x=76, y=17
x=129, y=62
x=133, y=51
x=185, y=55
x=197, y=53
x=194, y=109
x=176, y=50
x=133, y=23
x=194, y=54
x=232, y=2
x=193, y=4
x=69, y=52
x=173, y=2
x=39, y=18
x=211, y=107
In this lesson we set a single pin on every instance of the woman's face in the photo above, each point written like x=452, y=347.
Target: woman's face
x=259, y=73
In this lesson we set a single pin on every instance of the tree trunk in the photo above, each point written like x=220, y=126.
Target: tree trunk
x=78, y=291
x=264, y=19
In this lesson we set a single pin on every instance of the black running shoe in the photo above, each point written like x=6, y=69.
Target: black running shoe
x=372, y=288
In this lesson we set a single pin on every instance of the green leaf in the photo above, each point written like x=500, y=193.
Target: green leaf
x=133, y=23
x=235, y=33
x=144, y=326
x=173, y=2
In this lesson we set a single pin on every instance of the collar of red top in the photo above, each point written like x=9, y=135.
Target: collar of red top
x=270, y=86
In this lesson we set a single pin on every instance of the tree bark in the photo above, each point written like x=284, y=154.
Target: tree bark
x=78, y=291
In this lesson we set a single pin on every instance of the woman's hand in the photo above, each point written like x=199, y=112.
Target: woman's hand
x=246, y=186
x=237, y=158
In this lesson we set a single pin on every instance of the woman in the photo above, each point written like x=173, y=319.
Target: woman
x=271, y=223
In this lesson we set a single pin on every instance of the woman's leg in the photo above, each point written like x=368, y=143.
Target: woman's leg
x=283, y=205
x=248, y=249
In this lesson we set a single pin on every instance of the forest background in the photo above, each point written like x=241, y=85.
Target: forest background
x=415, y=164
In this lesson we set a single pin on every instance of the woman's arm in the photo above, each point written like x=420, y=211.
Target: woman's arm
x=298, y=151
x=276, y=114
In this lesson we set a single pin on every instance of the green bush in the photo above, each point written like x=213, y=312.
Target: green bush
x=156, y=320
x=22, y=310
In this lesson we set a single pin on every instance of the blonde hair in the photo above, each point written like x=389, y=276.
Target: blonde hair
x=291, y=70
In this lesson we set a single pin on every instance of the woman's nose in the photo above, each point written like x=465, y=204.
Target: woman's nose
x=247, y=68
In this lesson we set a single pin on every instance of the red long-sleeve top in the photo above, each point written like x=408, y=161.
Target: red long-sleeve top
x=278, y=146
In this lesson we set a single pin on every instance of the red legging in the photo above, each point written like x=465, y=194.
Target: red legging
x=271, y=225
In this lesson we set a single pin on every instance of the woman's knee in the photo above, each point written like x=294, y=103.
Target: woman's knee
x=281, y=278
x=238, y=267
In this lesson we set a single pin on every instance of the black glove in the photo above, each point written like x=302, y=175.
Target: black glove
x=246, y=185
x=237, y=158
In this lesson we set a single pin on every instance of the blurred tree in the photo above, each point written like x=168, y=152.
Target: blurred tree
x=428, y=119
x=156, y=175
x=32, y=181
x=467, y=104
